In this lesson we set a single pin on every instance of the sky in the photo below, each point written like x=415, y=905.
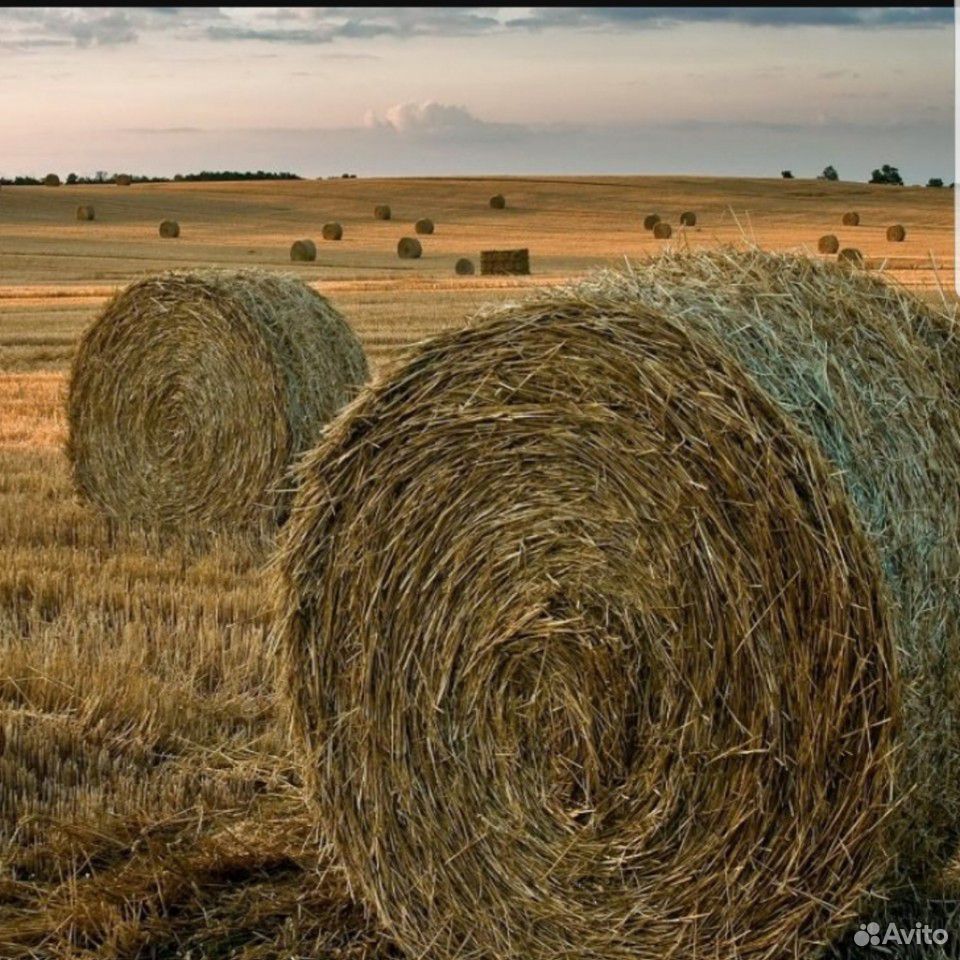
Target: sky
x=734, y=91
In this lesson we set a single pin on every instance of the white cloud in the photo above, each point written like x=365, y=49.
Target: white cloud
x=433, y=120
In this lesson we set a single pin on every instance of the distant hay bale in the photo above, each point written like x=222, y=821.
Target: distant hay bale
x=896, y=233
x=332, y=231
x=623, y=623
x=650, y=221
x=464, y=267
x=662, y=231
x=382, y=211
x=123, y=180
x=828, y=243
x=851, y=219
x=424, y=225
x=303, y=251
x=851, y=256
x=85, y=212
x=51, y=180
x=169, y=229
x=504, y=262
x=409, y=248
x=498, y=201
x=192, y=392
x=688, y=219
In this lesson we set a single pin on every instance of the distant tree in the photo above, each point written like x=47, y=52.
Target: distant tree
x=887, y=174
x=935, y=182
x=72, y=178
x=829, y=173
x=786, y=174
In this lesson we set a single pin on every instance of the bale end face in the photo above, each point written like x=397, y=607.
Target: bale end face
x=424, y=225
x=169, y=229
x=498, y=201
x=688, y=219
x=850, y=219
x=85, y=213
x=896, y=233
x=828, y=243
x=662, y=231
x=409, y=248
x=332, y=231
x=382, y=211
x=464, y=267
x=303, y=251
x=650, y=221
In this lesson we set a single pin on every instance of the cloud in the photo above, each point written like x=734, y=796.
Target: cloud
x=431, y=120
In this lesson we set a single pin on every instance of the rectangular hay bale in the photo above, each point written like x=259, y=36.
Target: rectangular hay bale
x=501, y=262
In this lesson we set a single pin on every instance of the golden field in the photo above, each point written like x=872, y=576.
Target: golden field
x=149, y=803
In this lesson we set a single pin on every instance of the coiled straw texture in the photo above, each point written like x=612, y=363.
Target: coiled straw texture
x=192, y=392
x=623, y=622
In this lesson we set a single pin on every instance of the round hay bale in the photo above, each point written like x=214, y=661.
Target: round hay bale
x=303, y=251
x=51, y=180
x=332, y=231
x=169, y=229
x=424, y=225
x=464, y=267
x=662, y=231
x=851, y=256
x=85, y=213
x=192, y=392
x=498, y=201
x=688, y=219
x=647, y=625
x=123, y=180
x=850, y=219
x=409, y=248
x=650, y=221
x=896, y=233
x=828, y=243
x=382, y=211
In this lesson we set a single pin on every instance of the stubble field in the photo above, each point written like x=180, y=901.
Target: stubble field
x=149, y=802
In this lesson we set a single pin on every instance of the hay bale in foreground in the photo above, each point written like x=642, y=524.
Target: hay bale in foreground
x=332, y=231
x=303, y=251
x=424, y=225
x=409, y=248
x=688, y=219
x=382, y=211
x=51, y=180
x=464, y=267
x=85, y=213
x=192, y=392
x=850, y=219
x=169, y=229
x=650, y=221
x=648, y=621
x=896, y=233
x=828, y=243
x=498, y=201
x=851, y=256
x=662, y=231
x=505, y=262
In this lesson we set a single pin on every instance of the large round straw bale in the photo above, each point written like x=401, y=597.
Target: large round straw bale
x=662, y=230
x=51, y=180
x=498, y=201
x=332, y=231
x=650, y=221
x=896, y=233
x=382, y=211
x=828, y=243
x=424, y=225
x=169, y=229
x=688, y=219
x=850, y=219
x=409, y=248
x=303, y=250
x=851, y=256
x=123, y=180
x=464, y=267
x=85, y=213
x=648, y=624
x=192, y=392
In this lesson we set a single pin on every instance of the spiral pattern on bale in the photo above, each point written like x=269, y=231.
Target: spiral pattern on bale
x=192, y=392
x=688, y=219
x=623, y=623
x=662, y=230
x=409, y=248
x=828, y=243
x=303, y=251
x=850, y=219
x=169, y=229
x=896, y=233
x=332, y=231
x=424, y=225
x=651, y=220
